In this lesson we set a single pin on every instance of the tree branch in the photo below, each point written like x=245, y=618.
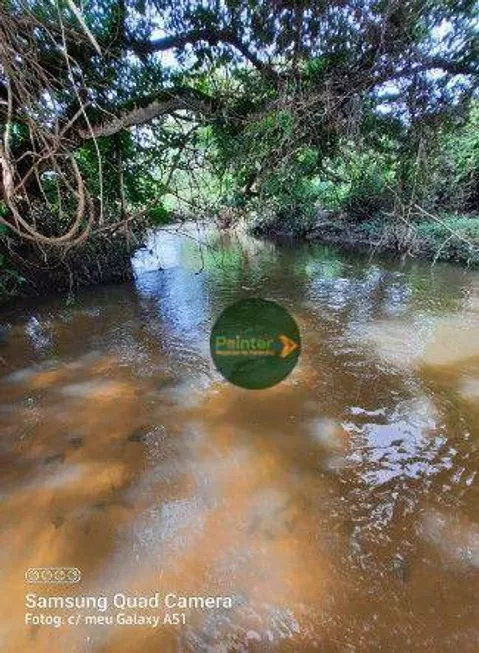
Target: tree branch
x=451, y=67
x=211, y=36
x=163, y=103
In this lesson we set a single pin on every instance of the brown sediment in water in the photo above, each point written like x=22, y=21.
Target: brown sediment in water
x=338, y=508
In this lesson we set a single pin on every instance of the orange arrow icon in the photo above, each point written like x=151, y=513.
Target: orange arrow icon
x=288, y=346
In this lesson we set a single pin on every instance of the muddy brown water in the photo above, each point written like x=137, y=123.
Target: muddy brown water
x=338, y=510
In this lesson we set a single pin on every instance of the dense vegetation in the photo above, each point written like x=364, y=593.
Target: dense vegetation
x=305, y=117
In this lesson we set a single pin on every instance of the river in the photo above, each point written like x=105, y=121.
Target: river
x=338, y=510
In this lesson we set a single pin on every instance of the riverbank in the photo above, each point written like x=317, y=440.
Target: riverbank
x=27, y=270
x=454, y=238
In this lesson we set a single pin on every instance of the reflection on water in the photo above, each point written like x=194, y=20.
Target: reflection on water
x=338, y=509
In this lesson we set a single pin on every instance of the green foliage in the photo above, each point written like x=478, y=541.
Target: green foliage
x=455, y=238
x=159, y=215
x=458, y=177
x=369, y=177
x=11, y=281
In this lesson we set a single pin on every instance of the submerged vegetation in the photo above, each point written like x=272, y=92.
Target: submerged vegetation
x=349, y=120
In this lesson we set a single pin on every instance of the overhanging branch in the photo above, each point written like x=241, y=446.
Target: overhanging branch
x=163, y=103
x=211, y=36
